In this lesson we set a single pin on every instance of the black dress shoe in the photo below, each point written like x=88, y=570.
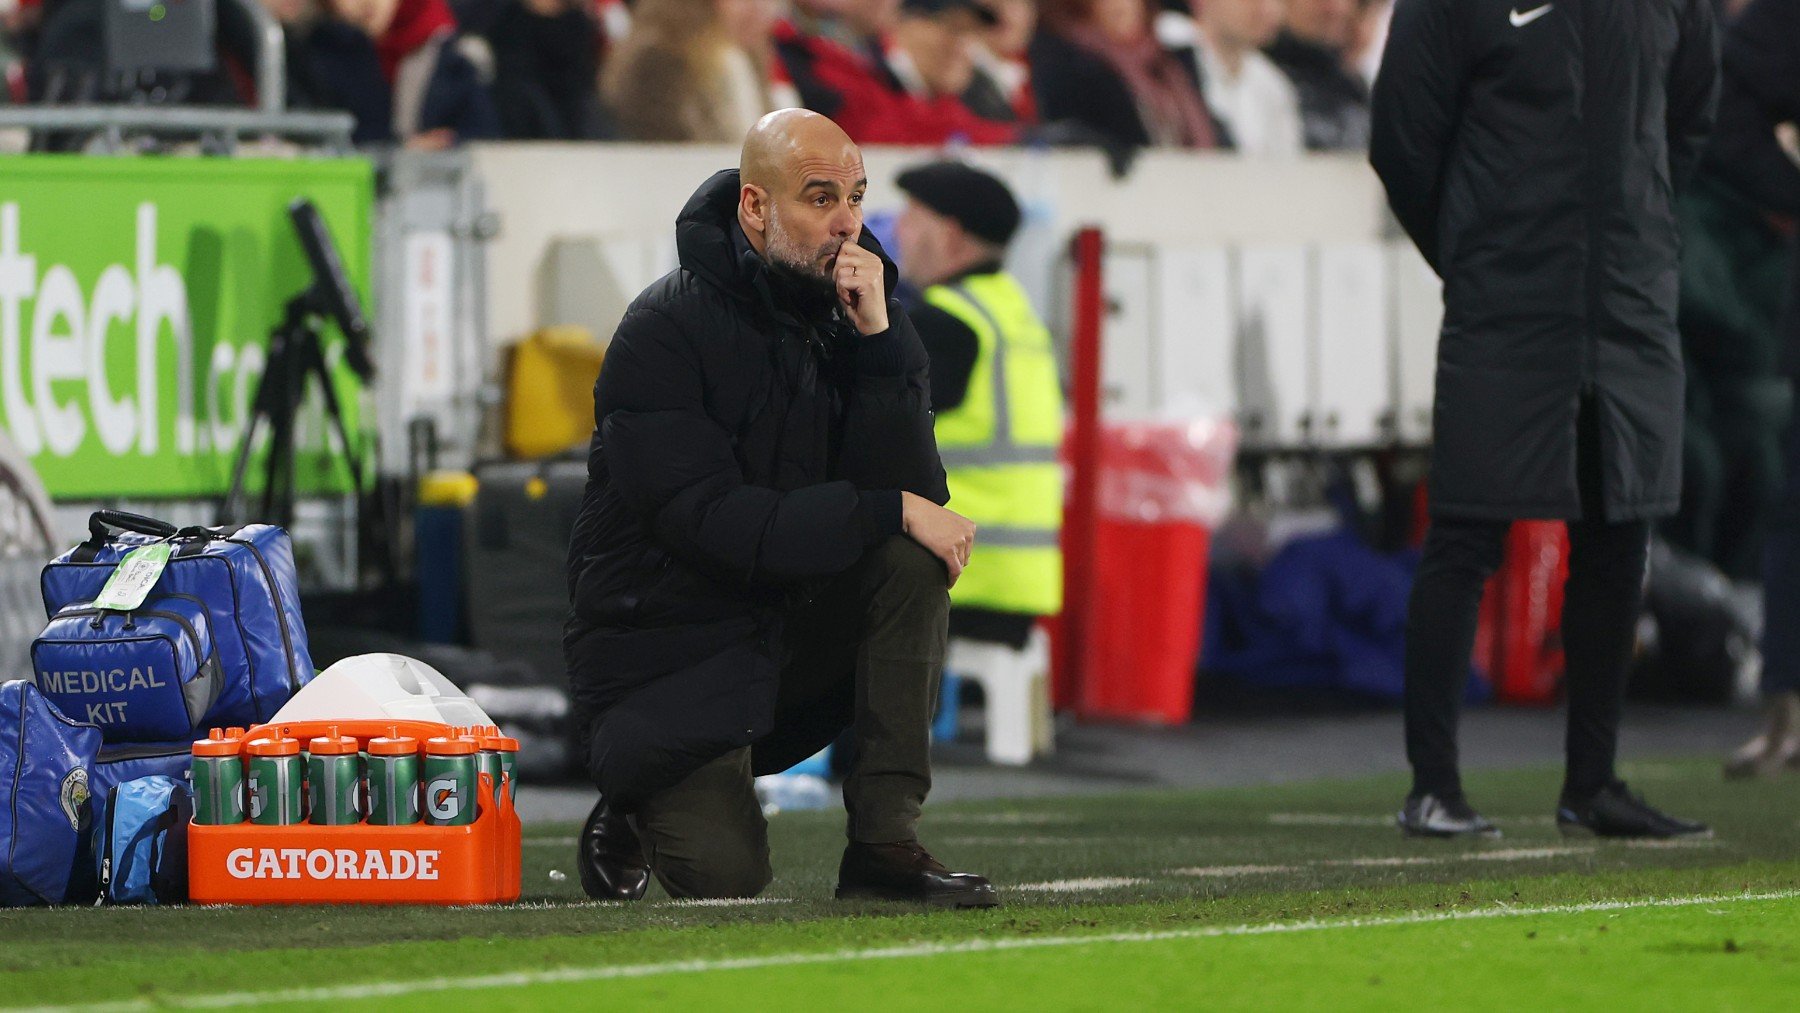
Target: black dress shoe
x=610, y=857
x=1431, y=816
x=907, y=872
x=1617, y=811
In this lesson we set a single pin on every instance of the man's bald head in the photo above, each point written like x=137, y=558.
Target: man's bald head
x=787, y=136
x=801, y=184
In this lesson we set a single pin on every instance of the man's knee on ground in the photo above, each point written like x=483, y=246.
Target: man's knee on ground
x=720, y=875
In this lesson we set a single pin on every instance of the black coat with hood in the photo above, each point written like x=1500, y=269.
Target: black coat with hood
x=1531, y=151
x=1761, y=91
x=749, y=444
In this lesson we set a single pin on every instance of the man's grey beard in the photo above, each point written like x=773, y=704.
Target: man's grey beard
x=801, y=268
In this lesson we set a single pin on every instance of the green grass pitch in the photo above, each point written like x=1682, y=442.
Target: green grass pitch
x=1292, y=896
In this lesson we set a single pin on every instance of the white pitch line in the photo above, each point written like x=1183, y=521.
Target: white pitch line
x=570, y=975
x=1363, y=820
x=584, y=905
x=1521, y=854
x=1329, y=820
x=1673, y=843
x=1079, y=885
x=1033, y=840
x=1497, y=855
x=1003, y=818
x=549, y=842
x=1232, y=870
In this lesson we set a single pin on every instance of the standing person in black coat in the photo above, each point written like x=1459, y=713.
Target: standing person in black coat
x=1761, y=101
x=1531, y=152
x=762, y=558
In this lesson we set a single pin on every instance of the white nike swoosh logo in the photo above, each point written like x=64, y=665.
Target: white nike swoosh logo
x=1521, y=20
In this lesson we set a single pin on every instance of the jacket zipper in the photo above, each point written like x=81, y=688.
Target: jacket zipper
x=106, y=856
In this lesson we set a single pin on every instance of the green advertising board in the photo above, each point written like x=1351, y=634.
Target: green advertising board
x=136, y=300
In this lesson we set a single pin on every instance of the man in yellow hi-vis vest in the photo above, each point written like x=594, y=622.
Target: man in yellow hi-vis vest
x=995, y=389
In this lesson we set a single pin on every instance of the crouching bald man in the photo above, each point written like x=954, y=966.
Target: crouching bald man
x=762, y=559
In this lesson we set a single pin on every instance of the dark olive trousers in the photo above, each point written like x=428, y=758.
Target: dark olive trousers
x=867, y=651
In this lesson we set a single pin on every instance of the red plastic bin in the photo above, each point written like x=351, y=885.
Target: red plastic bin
x=1162, y=487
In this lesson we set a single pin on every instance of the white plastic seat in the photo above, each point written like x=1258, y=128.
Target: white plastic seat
x=1016, y=687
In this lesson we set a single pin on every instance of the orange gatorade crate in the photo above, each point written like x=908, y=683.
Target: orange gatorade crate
x=360, y=863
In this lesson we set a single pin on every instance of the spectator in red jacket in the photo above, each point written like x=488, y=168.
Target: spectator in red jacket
x=868, y=100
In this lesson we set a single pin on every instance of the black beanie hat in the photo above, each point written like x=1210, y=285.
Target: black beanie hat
x=976, y=200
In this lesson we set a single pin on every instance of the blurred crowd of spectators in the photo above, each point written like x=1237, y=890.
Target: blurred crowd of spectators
x=1261, y=77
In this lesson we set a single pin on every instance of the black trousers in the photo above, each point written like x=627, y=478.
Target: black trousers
x=1781, y=576
x=1601, y=603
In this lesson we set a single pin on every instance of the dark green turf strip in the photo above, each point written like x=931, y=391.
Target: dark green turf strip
x=1310, y=833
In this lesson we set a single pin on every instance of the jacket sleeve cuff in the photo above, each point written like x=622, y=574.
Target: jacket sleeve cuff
x=880, y=514
x=881, y=354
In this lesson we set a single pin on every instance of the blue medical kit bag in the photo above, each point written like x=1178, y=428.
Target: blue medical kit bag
x=140, y=841
x=46, y=761
x=245, y=576
x=147, y=675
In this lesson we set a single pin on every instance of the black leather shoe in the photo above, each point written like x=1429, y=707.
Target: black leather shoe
x=610, y=857
x=907, y=872
x=1617, y=811
x=1431, y=816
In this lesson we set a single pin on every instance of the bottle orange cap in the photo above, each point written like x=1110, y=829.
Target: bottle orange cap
x=217, y=745
x=395, y=746
x=393, y=743
x=332, y=745
x=272, y=747
x=441, y=746
x=499, y=743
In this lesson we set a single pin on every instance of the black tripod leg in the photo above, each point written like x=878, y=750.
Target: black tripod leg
x=334, y=411
x=278, y=473
x=234, y=493
x=266, y=406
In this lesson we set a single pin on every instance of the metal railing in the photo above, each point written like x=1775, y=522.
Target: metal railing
x=219, y=129
x=224, y=128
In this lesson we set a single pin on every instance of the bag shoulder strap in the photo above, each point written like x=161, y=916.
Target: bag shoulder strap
x=168, y=848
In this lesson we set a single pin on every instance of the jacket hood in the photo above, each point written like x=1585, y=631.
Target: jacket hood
x=712, y=246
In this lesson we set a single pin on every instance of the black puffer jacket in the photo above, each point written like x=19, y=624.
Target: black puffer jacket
x=748, y=445
x=1531, y=150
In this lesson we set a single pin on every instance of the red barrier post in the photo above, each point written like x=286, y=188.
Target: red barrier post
x=1083, y=456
